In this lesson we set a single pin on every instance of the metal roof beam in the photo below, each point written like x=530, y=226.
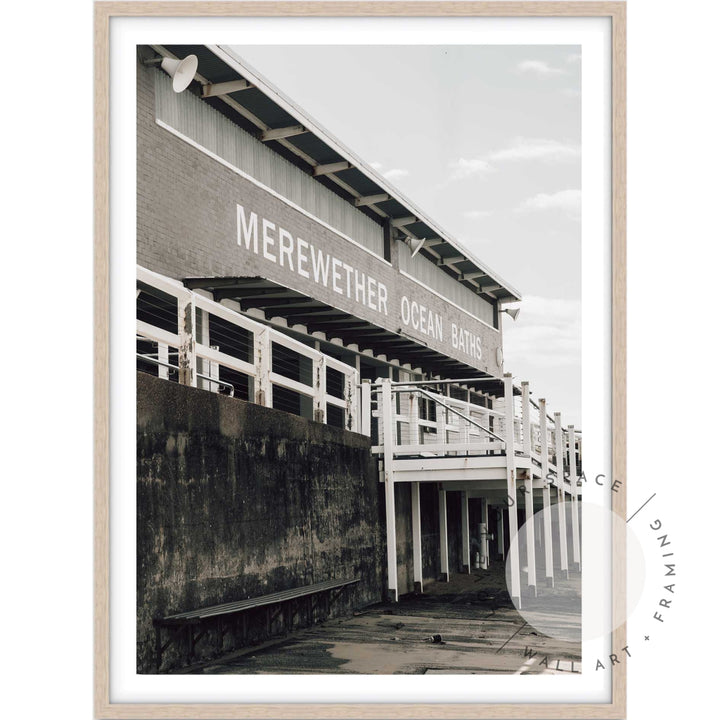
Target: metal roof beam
x=261, y=302
x=331, y=330
x=207, y=283
x=307, y=311
x=280, y=133
x=401, y=222
x=224, y=88
x=379, y=333
x=238, y=292
x=331, y=168
x=431, y=242
x=336, y=320
x=473, y=275
x=370, y=199
x=451, y=260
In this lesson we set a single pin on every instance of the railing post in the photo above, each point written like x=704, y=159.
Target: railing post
x=186, y=331
x=574, y=518
x=547, y=504
x=163, y=356
x=202, y=337
x=319, y=399
x=351, y=400
x=213, y=372
x=526, y=428
x=528, y=484
x=413, y=417
x=388, y=462
x=465, y=424
x=262, y=346
x=511, y=490
x=440, y=419
x=560, y=467
x=366, y=408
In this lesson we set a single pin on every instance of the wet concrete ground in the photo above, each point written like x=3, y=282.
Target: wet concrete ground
x=480, y=632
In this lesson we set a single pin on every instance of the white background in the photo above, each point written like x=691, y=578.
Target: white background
x=593, y=36
x=47, y=370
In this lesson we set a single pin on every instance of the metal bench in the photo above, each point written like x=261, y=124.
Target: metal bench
x=183, y=626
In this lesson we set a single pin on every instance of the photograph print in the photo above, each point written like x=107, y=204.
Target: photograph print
x=358, y=340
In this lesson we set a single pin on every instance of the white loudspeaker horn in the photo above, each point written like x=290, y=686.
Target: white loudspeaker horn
x=414, y=244
x=182, y=72
x=513, y=312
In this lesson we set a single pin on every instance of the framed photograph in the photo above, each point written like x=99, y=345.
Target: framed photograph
x=360, y=360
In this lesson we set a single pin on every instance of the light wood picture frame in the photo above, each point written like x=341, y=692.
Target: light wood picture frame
x=105, y=13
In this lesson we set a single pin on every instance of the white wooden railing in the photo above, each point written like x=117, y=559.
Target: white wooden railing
x=423, y=422
x=427, y=423
x=175, y=329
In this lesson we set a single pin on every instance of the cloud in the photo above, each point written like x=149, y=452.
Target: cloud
x=475, y=214
x=565, y=200
x=539, y=67
x=464, y=168
x=573, y=58
x=546, y=334
x=521, y=149
x=537, y=149
x=376, y=165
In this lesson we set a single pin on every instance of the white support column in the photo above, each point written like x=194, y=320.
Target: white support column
x=526, y=429
x=511, y=491
x=528, y=485
x=388, y=462
x=214, y=372
x=547, y=502
x=413, y=418
x=465, y=522
x=440, y=414
x=187, y=374
x=365, y=408
x=263, y=365
x=352, y=406
x=574, y=518
x=560, y=466
x=530, y=534
x=444, y=557
x=202, y=336
x=319, y=398
x=163, y=357
x=417, y=537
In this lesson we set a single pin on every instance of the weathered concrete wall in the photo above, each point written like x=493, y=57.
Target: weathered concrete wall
x=235, y=500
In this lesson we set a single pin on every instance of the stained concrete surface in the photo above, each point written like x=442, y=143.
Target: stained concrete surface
x=480, y=630
x=236, y=500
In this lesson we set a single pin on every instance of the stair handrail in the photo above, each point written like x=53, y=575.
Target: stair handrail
x=452, y=410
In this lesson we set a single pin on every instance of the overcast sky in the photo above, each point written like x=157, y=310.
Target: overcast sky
x=486, y=141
